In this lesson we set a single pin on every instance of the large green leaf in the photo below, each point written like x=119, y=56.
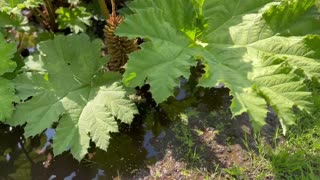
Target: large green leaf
x=292, y=17
x=262, y=50
x=6, y=53
x=10, y=3
x=7, y=98
x=251, y=52
x=7, y=93
x=11, y=11
x=179, y=13
x=7, y=20
x=167, y=55
x=15, y=6
x=76, y=19
x=67, y=87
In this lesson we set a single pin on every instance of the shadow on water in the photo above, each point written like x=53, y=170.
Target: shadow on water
x=129, y=154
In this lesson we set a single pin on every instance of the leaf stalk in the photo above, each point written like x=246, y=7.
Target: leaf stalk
x=104, y=8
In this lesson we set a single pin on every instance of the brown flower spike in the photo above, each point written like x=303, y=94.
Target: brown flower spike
x=118, y=47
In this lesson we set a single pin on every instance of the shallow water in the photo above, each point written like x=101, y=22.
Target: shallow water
x=129, y=152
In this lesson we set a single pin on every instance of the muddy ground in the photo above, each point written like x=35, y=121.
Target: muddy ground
x=207, y=143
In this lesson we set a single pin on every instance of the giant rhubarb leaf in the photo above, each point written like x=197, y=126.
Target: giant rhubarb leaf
x=67, y=87
x=7, y=93
x=76, y=19
x=167, y=56
x=262, y=50
x=253, y=48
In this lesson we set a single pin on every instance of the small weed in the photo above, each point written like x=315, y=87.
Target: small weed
x=260, y=167
x=293, y=165
x=299, y=158
x=245, y=141
x=220, y=126
x=195, y=156
x=276, y=136
x=236, y=172
x=184, y=136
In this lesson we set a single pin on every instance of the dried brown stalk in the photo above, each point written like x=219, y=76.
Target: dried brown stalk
x=118, y=47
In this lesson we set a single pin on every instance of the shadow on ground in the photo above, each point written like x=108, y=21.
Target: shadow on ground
x=206, y=142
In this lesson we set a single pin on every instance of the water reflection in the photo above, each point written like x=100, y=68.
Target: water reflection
x=147, y=144
x=32, y=158
x=129, y=151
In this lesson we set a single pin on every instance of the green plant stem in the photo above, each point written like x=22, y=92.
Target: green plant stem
x=25, y=152
x=51, y=13
x=40, y=17
x=104, y=8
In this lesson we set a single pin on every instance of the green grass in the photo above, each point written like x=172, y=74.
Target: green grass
x=295, y=156
x=299, y=157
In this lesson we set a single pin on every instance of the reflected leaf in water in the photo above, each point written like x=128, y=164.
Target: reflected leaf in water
x=23, y=154
x=9, y=138
x=125, y=154
x=147, y=144
x=156, y=122
x=65, y=166
x=30, y=158
x=23, y=166
x=209, y=99
x=172, y=107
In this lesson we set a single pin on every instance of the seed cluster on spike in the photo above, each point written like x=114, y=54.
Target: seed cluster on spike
x=118, y=47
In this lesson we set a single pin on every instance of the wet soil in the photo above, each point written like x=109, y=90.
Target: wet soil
x=215, y=149
x=211, y=142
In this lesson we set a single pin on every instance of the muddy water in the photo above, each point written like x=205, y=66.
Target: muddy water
x=129, y=153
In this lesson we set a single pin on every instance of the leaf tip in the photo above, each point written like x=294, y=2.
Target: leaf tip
x=129, y=77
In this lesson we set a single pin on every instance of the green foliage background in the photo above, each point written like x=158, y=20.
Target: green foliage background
x=267, y=53
x=264, y=51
